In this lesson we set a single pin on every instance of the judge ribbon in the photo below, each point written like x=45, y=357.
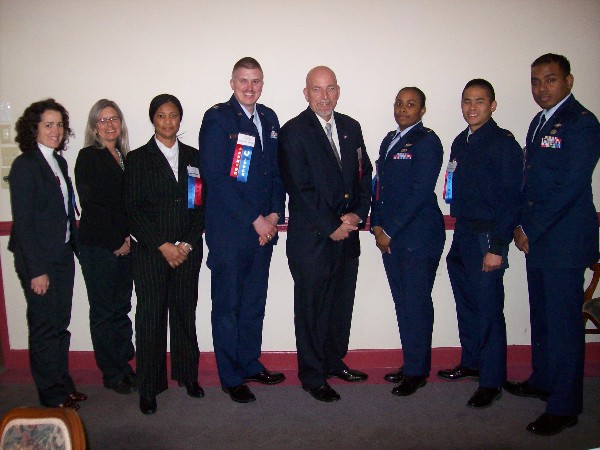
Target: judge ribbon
x=242, y=156
x=448, y=181
x=194, y=187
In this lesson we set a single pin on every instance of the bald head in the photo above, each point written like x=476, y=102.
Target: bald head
x=322, y=91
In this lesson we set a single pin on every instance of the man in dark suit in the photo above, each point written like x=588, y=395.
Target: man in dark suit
x=163, y=196
x=559, y=235
x=245, y=200
x=409, y=230
x=327, y=174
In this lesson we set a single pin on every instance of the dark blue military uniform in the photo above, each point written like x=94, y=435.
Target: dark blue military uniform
x=405, y=206
x=239, y=265
x=560, y=221
x=486, y=186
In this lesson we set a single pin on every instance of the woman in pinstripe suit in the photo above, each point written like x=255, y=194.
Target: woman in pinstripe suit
x=163, y=196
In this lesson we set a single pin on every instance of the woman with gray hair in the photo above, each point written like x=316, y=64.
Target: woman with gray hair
x=104, y=240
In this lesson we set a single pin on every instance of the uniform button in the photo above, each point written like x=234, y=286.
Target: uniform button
x=346, y=195
x=530, y=204
x=177, y=200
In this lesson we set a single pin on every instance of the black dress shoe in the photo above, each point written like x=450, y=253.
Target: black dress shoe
x=266, y=377
x=240, y=393
x=324, y=393
x=193, y=389
x=394, y=377
x=123, y=387
x=69, y=403
x=409, y=385
x=524, y=389
x=78, y=396
x=458, y=373
x=548, y=424
x=132, y=378
x=484, y=397
x=349, y=375
x=148, y=404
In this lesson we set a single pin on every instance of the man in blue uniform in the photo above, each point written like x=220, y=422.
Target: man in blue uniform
x=482, y=186
x=559, y=235
x=409, y=230
x=245, y=200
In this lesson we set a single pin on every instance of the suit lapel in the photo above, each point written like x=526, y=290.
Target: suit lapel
x=160, y=162
x=49, y=176
x=46, y=170
x=347, y=153
x=320, y=137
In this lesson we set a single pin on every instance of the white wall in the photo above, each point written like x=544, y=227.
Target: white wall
x=130, y=51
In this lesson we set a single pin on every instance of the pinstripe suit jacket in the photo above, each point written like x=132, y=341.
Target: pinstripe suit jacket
x=156, y=203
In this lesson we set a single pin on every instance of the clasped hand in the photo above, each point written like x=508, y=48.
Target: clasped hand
x=349, y=224
x=174, y=254
x=266, y=228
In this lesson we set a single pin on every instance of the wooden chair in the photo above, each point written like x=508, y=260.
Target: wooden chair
x=47, y=428
x=591, y=306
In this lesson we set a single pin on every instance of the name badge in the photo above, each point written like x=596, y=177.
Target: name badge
x=448, y=178
x=193, y=172
x=246, y=140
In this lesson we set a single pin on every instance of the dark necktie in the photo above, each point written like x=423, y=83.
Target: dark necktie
x=332, y=143
x=258, y=141
x=540, y=126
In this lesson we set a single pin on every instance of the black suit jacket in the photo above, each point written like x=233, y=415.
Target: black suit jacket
x=157, y=204
x=39, y=219
x=320, y=193
x=99, y=183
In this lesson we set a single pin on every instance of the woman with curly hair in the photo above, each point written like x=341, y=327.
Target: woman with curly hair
x=43, y=239
x=104, y=243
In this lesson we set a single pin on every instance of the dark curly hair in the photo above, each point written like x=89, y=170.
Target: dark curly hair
x=27, y=125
